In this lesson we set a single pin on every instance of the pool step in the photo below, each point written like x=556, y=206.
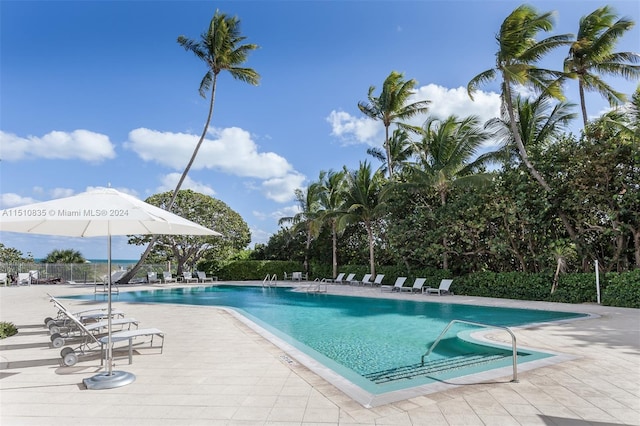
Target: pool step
x=431, y=368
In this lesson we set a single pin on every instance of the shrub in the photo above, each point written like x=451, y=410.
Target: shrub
x=623, y=290
x=7, y=329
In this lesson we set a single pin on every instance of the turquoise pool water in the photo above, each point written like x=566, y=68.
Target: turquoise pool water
x=375, y=343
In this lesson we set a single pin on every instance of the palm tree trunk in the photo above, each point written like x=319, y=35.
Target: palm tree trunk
x=147, y=251
x=387, y=149
x=334, y=242
x=372, y=262
x=583, y=104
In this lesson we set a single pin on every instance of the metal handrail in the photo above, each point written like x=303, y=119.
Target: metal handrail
x=270, y=279
x=513, y=343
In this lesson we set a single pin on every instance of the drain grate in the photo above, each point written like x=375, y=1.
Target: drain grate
x=431, y=368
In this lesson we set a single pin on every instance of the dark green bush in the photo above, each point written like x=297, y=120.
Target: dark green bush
x=241, y=270
x=622, y=290
x=7, y=329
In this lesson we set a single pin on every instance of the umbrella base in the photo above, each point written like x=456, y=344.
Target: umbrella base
x=109, y=381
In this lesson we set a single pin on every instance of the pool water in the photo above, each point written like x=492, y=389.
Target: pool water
x=375, y=343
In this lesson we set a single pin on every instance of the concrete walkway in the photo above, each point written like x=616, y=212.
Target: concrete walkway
x=217, y=370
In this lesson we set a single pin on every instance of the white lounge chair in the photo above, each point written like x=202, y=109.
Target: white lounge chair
x=347, y=280
x=4, y=278
x=167, y=277
x=365, y=280
x=202, y=277
x=337, y=279
x=188, y=277
x=24, y=278
x=152, y=277
x=377, y=281
x=416, y=287
x=395, y=287
x=442, y=289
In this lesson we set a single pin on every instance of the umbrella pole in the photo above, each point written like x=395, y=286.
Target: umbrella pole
x=109, y=379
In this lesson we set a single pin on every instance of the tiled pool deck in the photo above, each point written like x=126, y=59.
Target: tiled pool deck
x=216, y=370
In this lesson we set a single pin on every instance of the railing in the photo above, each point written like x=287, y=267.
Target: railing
x=270, y=280
x=513, y=343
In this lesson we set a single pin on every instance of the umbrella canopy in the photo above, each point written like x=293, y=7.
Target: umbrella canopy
x=95, y=213
x=99, y=212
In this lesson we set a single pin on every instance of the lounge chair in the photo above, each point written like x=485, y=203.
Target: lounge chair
x=152, y=277
x=395, y=287
x=377, y=281
x=337, y=279
x=416, y=287
x=442, y=289
x=365, y=280
x=188, y=277
x=66, y=319
x=24, y=278
x=4, y=278
x=92, y=343
x=202, y=277
x=347, y=280
x=167, y=277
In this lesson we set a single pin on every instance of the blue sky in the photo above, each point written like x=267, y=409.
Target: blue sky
x=98, y=93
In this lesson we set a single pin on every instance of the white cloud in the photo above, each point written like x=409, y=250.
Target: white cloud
x=444, y=102
x=79, y=144
x=354, y=130
x=259, y=236
x=60, y=192
x=11, y=199
x=282, y=189
x=232, y=151
x=170, y=181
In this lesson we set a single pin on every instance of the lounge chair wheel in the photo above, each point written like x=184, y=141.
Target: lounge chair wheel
x=70, y=359
x=65, y=351
x=50, y=323
x=54, y=329
x=46, y=320
x=57, y=340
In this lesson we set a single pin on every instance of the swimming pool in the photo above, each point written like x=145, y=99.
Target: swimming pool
x=374, y=343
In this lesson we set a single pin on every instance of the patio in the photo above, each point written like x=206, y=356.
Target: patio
x=216, y=369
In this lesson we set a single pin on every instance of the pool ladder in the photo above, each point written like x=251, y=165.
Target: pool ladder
x=513, y=343
x=270, y=281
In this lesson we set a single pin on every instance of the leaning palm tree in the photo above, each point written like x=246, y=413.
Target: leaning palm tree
x=307, y=217
x=391, y=107
x=447, y=158
x=363, y=203
x=592, y=54
x=515, y=63
x=540, y=122
x=220, y=49
x=331, y=199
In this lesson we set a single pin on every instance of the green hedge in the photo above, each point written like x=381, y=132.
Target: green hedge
x=616, y=289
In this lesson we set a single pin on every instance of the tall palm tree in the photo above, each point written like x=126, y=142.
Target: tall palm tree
x=539, y=123
x=331, y=207
x=592, y=54
x=220, y=49
x=447, y=158
x=307, y=217
x=515, y=64
x=64, y=256
x=391, y=107
x=363, y=202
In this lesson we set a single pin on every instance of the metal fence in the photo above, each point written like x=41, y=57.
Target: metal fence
x=87, y=273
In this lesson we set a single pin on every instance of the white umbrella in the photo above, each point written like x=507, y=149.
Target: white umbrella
x=99, y=212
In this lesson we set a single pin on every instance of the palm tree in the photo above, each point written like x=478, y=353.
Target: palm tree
x=515, y=62
x=400, y=148
x=446, y=158
x=363, y=203
x=331, y=207
x=539, y=124
x=220, y=49
x=307, y=217
x=592, y=54
x=391, y=107
x=64, y=256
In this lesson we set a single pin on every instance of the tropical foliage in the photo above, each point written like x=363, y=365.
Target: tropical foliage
x=544, y=201
x=64, y=256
